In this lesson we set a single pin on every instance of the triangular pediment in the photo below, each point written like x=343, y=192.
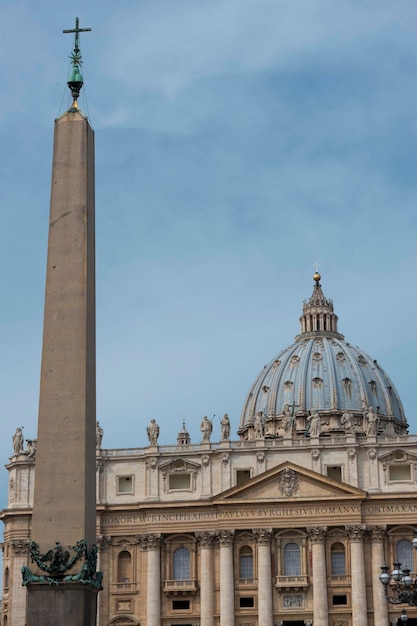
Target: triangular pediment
x=399, y=455
x=289, y=481
x=179, y=465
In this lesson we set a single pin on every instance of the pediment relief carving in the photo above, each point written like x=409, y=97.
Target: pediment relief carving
x=179, y=465
x=287, y=482
x=337, y=533
x=398, y=456
x=244, y=538
x=123, y=542
x=124, y=621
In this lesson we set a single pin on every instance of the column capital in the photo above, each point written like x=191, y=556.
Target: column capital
x=205, y=539
x=225, y=537
x=316, y=534
x=356, y=533
x=150, y=541
x=263, y=536
x=377, y=533
x=103, y=542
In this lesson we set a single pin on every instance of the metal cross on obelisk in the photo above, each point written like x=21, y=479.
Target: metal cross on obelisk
x=75, y=81
x=77, y=30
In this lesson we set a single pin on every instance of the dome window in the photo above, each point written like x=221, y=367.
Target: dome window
x=347, y=385
x=317, y=356
x=317, y=382
x=288, y=385
x=340, y=356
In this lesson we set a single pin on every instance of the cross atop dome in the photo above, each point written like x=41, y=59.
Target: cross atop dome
x=318, y=315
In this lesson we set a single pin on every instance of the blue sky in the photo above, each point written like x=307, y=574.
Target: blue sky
x=237, y=143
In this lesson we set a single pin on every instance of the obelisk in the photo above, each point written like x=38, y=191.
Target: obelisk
x=63, y=583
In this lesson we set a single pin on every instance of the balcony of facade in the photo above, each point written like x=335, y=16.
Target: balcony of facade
x=291, y=582
x=180, y=587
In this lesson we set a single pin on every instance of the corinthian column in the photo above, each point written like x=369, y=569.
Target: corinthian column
x=152, y=544
x=320, y=608
x=357, y=569
x=206, y=578
x=227, y=583
x=263, y=539
x=378, y=593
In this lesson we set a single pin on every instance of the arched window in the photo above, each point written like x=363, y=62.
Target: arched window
x=245, y=562
x=6, y=578
x=124, y=567
x=338, y=559
x=405, y=554
x=292, y=559
x=181, y=562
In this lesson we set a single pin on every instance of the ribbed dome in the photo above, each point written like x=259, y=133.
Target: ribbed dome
x=321, y=372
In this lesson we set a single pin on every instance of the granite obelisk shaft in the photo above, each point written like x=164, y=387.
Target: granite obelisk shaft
x=65, y=489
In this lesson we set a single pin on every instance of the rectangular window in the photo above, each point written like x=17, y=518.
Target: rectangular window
x=124, y=484
x=179, y=481
x=180, y=605
x=242, y=477
x=246, y=603
x=339, y=600
x=399, y=472
x=334, y=472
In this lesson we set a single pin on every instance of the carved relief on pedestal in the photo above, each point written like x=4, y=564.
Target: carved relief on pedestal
x=20, y=546
x=293, y=600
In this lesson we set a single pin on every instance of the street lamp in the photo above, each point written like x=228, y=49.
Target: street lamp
x=403, y=589
x=404, y=617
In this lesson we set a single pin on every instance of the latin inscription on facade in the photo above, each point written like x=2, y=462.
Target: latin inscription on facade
x=267, y=512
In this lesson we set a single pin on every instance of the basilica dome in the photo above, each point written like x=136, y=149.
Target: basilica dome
x=320, y=373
